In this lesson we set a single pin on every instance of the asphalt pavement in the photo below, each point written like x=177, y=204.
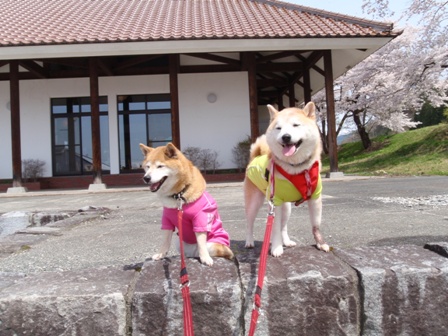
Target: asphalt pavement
x=124, y=229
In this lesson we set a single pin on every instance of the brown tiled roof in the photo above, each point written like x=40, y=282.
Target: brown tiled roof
x=43, y=22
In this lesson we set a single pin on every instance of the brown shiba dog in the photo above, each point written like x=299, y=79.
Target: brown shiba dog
x=292, y=148
x=172, y=176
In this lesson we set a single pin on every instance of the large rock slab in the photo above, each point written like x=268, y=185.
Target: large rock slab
x=215, y=291
x=305, y=292
x=403, y=289
x=87, y=302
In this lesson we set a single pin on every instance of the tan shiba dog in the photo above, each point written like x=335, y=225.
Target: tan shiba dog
x=172, y=176
x=292, y=148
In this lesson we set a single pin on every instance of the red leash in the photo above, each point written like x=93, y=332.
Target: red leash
x=185, y=282
x=261, y=273
x=263, y=258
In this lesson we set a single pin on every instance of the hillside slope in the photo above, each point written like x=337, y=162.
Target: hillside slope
x=421, y=151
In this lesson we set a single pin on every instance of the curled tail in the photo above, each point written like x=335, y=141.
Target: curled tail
x=259, y=147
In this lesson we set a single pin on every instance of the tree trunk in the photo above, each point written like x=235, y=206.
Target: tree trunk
x=366, y=143
x=323, y=135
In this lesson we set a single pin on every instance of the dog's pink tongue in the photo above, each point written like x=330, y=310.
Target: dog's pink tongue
x=153, y=187
x=289, y=150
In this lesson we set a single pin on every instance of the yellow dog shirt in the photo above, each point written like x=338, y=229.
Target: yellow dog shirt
x=285, y=191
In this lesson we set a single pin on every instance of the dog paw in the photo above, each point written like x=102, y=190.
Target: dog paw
x=289, y=243
x=277, y=251
x=158, y=256
x=249, y=244
x=323, y=247
x=207, y=261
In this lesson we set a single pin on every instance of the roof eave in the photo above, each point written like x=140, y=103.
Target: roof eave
x=190, y=46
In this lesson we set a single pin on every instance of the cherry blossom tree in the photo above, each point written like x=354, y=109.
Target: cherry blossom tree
x=387, y=87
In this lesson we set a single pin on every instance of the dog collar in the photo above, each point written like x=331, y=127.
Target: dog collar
x=180, y=195
x=293, y=164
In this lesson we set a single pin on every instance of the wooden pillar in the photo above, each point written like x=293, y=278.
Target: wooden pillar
x=292, y=95
x=174, y=92
x=281, y=106
x=250, y=65
x=307, y=86
x=15, y=124
x=95, y=109
x=331, y=117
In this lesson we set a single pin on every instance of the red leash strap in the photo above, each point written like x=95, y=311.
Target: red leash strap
x=261, y=273
x=185, y=282
x=263, y=258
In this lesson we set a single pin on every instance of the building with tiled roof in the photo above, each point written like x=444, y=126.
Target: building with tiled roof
x=82, y=82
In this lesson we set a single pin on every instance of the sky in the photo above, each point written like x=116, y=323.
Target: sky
x=352, y=7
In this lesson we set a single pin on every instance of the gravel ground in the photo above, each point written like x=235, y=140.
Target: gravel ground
x=432, y=201
x=356, y=212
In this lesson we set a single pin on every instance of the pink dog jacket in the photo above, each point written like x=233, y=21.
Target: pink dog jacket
x=200, y=216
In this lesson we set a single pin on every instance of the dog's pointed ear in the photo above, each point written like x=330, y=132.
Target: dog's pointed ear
x=272, y=111
x=145, y=149
x=310, y=110
x=171, y=151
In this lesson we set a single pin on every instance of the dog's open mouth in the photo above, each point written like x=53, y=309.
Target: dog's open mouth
x=156, y=186
x=290, y=149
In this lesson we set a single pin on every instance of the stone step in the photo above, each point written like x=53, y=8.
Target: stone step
x=394, y=290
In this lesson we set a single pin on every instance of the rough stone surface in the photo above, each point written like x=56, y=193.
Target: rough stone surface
x=361, y=291
x=305, y=292
x=403, y=289
x=89, y=302
x=215, y=297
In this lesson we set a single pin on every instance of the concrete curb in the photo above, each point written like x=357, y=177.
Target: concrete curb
x=398, y=290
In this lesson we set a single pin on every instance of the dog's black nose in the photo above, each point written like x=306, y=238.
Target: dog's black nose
x=146, y=179
x=286, y=138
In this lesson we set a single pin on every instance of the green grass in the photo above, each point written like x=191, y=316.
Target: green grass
x=421, y=151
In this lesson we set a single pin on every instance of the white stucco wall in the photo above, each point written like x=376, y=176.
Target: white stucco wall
x=218, y=126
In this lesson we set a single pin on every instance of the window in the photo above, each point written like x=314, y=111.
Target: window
x=72, y=135
x=142, y=119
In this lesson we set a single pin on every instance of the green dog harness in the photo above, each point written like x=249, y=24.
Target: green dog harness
x=291, y=188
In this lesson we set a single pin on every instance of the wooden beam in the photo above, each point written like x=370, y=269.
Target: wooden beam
x=69, y=62
x=3, y=63
x=331, y=115
x=216, y=58
x=307, y=86
x=174, y=60
x=34, y=68
x=292, y=95
x=104, y=67
x=15, y=124
x=267, y=82
x=280, y=67
x=95, y=108
x=250, y=65
x=209, y=68
x=279, y=55
x=280, y=104
x=134, y=61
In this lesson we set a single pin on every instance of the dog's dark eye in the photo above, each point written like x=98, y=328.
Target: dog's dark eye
x=278, y=128
x=160, y=166
x=295, y=125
